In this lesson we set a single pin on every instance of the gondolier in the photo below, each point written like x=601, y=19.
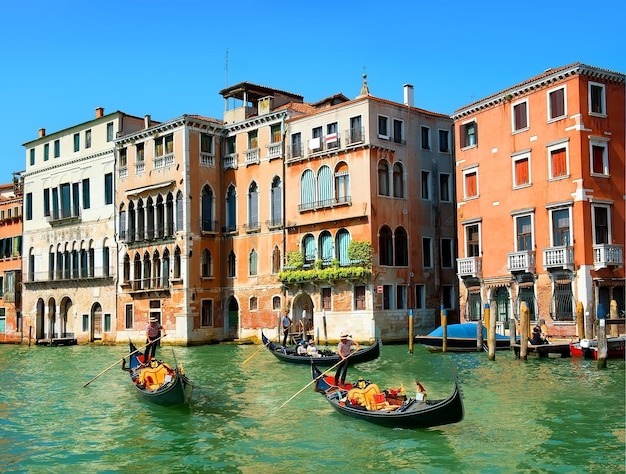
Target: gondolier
x=286, y=324
x=154, y=332
x=344, y=348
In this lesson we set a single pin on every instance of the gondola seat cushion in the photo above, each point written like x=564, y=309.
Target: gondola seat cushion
x=153, y=377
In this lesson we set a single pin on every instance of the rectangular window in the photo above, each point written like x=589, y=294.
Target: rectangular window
x=46, y=202
x=29, y=206
x=521, y=170
x=85, y=322
x=427, y=252
x=599, y=157
x=556, y=104
x=110, y=132
x=444, y=187
x=425, y=182
x=398, y=131
x=558, y=162
x=76, y=142
x=523, y=230
x=123, y=158
x=469, y=134
x=140, y=152
x=129, y=319
x=359, y=297
x=169, y=144
x=356, y=130
x=57, y=148
x=560, y=228
x=107, y=322
x=32, y=156
x=425, y=134
x=446, y=253
x=420, y=296
x=472, y=240
x=383, y=127
x=253, y=139
x=296, y=145
x=207, y=313
x=470, y=183
x=601, y=225
x=444, y=141
x=401, y=297
x=108, y=188
x=326, y=298
x=87, y=138
x=275, y=132
x=206, y=143
x=86, y=197
x=46, y=152
x=387, y=296
x=520, y=116
x=597, y=99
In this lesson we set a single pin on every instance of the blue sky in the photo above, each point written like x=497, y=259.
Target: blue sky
x=62, y=59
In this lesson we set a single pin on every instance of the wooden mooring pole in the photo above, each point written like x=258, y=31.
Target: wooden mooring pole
x=580, y=320
x=491, y=332
x=602, y=343
x=444, y=329
x=479, y=335
x=614, y=332
x=523, y=327
x=410, y=331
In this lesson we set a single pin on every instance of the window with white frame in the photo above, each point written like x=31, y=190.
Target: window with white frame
x=469, y=134
x=398, y=131
x=383, y=127
x=521, y=170
x=558, y=160
x=523, y=233
x=444, y=141
x=557, y=106
x=470, y=183
x=253, y=303
x=519, y=113
x=387, y=296
x=277, y=303
x=601, y=215
x=401, y=302
x=599, y=152
x=561, y=232
x=472, y=240
x=383, y=178
x=597, y=98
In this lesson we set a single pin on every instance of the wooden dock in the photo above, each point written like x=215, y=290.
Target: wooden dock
x=545, y=350
x=57, y=341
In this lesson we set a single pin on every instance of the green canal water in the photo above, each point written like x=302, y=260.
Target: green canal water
x=538, y=415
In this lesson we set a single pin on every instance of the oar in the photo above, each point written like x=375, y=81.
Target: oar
x=311, y=382
x=127, y=355
x=259, y=350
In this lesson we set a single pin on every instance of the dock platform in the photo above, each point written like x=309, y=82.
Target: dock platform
x=545, y=350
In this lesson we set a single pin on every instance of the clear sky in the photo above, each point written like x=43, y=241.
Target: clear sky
x=62, y=59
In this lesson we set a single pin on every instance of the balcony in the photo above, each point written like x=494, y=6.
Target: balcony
x=326, y=203
x=252, y=156
x=274, y=224
x=521, y=261
x=149, y=284
x=63, y=216
x=355, y=136
x=251, y=227
x=163, y=161
x=561, y=257
x=470, y=267
x=230, y=161
x=207, y=160
x=275, y=150
x=209, y=226
x=606, y=255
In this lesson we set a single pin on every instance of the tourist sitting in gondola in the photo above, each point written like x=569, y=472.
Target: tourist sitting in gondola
x=537, y=337
x=302, y=347
x=312, y=349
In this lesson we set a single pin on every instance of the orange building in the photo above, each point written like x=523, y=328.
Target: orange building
x=540, y=193
x=11, y=327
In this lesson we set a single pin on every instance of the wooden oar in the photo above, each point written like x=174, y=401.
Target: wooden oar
x=127, y=355
x=260, y=349
x=312, y=381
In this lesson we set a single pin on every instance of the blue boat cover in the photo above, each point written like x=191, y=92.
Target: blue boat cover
x=465, y=330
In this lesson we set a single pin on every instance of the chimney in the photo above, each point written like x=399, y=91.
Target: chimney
x=99, y=112
x=408, y=95
x=146, y=121
x=42, y=132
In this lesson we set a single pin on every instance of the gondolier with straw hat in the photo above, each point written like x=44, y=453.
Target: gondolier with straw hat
x=154, y=332
x=344, y=349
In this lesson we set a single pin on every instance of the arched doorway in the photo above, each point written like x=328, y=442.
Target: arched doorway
x=231, y=321
x=52, y=318
x=40, y=322
x=96, y=322
x=64, y=311
x=302, y=315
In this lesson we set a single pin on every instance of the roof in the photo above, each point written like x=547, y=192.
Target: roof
x=255, y=92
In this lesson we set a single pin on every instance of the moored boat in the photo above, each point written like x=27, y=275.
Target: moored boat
x=388, y=408
x=157, y=381
x=460, y=338
x=588, y=348
x=326, y=357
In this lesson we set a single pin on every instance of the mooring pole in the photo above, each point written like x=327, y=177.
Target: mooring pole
x=602, y=343
x=491, y=332
x=523, y=327
x=444, y=329
x=411, y=331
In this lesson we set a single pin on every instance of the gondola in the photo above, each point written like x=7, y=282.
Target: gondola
x=460, y=338
x=387, y=409
x=326, y=358
x=158, y=382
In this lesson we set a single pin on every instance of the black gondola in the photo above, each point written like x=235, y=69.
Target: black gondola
x=158, y=382
x=326, y=358
x=408, y=413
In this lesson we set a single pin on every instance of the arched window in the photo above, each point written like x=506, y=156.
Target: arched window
x=308, y=244
x=324, y=186
x=253, y=206
x=123, y=231
x=156, y=269
x=383, y=178
x=137, y=283
x=132, y=231
x=207, y=263
x=276, y=303
x=106, y=259
x=208, y=203
x=150, y=219
x=385, y=246
x=126, y=269
x=401, y=247
x=177, y=262
x=398, y=180
x=326, y=247
x=253, y=261
x=231, y=209
x=160, y=217
x=179, y=211
x=276, y=260
x=276, y=202
x=141, y=221
x=343, y=240
x=166, y=268
x=307, y=190
x=147, y=270
x=231, y=265
x=342, y=183
x=169, y=215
